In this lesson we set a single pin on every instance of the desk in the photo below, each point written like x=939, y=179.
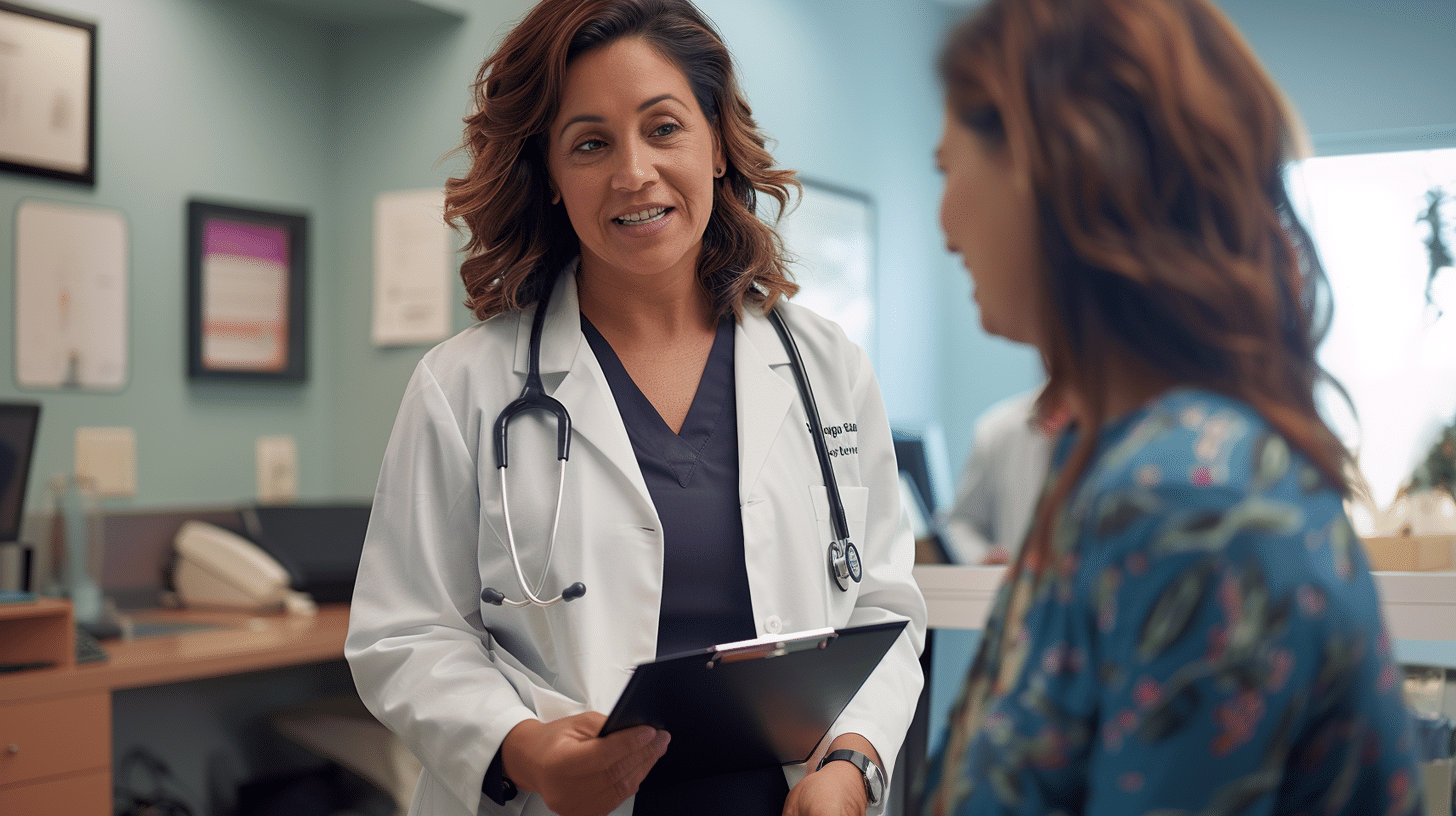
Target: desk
x=1418, y=606
x=55, y=724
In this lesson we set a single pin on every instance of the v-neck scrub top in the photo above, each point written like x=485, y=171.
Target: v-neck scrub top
x=692, y=476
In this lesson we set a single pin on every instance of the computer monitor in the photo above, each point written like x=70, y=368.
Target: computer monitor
x=318, y=544
x=19, y=422
x=914, y=461
x=918, y=494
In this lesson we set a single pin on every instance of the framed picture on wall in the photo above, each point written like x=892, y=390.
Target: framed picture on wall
x=831, y=233
x=47, y=95
x=247, y=293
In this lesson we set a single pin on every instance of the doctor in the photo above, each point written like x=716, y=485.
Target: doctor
x=615, y=168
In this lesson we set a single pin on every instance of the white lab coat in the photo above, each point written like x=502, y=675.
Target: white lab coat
x=1001, y=483
x=452, y=675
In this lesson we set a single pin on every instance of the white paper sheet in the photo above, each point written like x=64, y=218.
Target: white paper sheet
x=71, y=286
x=413, y=258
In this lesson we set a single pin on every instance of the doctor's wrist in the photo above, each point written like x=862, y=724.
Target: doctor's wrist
x=516, y=754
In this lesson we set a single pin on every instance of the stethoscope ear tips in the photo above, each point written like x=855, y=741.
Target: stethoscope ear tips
x=495, y=597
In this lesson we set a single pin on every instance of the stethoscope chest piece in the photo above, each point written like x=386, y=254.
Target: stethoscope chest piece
x=844, y=565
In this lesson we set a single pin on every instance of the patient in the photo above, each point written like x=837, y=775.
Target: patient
x=1191, y=626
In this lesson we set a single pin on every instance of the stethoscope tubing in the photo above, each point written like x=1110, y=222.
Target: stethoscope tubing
x=532, y=595
x=840, y=524
x=843, y=557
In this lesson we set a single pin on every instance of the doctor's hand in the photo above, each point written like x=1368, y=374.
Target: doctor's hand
x=576, y=772
x=837, y=789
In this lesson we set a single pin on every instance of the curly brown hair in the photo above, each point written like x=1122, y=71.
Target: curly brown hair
x=1155, y=144
x=519, y=240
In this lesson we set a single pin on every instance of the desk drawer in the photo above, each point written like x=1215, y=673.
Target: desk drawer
x=86, y=795
x=60, y=735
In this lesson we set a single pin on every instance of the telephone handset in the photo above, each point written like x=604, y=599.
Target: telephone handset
x=219, y=569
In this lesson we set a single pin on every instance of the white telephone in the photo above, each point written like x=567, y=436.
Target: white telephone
x=220, y=569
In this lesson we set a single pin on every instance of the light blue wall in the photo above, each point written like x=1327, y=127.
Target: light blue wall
x=240, y=100
x=402, y=93
x=207, y=99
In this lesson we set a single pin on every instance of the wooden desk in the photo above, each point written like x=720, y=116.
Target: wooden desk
x=55, y=724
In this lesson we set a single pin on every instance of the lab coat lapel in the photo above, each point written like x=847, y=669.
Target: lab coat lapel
x=583, y=389
x=764, y=395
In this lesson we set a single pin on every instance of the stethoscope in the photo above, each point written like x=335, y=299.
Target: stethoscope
x=844, y=563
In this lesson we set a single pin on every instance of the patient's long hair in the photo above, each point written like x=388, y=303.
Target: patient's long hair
x=1155, y=144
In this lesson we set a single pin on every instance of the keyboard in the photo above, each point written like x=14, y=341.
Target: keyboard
x=88, y=648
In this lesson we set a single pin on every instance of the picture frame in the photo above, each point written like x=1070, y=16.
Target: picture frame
x=831, y=234
x=48, y=126
x=247, y=293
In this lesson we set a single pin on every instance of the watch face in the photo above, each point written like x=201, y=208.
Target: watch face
x=874, y=783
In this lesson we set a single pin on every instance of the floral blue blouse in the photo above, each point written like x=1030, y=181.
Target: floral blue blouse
x=1204, y=639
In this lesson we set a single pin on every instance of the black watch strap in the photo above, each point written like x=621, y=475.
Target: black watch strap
x=874, y=778
x=496, y=786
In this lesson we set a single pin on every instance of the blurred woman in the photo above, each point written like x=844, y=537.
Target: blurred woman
x=1191, y=626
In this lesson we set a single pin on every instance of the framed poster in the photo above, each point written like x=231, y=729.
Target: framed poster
x=831, y=233
x=47, y=95
x=247, y=293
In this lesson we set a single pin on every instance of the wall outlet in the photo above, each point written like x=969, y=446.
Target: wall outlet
x=107, y=457
x=277, y=469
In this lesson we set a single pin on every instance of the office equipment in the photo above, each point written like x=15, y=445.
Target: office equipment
x=754, y=704
x=88, y=648
x=913, y=460
x=318, y=544
x=217, y=568
x=19, y=422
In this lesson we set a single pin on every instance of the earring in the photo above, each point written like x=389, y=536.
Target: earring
x=718, y=172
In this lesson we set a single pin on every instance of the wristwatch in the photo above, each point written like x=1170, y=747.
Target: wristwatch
x=874, y=778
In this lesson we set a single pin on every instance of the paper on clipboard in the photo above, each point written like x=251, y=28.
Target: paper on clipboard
x=753, y=704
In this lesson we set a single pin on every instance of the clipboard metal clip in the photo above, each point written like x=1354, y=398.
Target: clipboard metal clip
x=771, y=647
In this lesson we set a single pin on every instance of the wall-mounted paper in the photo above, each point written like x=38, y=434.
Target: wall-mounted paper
x=413, y=258
x=70, y=296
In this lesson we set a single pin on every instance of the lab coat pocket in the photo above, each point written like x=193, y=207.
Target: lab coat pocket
x=856, y=506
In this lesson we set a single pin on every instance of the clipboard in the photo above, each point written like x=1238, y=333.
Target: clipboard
x=749, y=705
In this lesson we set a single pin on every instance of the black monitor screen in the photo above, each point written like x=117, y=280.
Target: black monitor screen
x=912, y=457
x=18, y=423
x=318, y=544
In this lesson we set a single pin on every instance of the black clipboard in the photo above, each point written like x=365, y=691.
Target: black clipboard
x=749, y=705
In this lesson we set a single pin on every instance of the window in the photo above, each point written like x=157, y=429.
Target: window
x=1394, y=352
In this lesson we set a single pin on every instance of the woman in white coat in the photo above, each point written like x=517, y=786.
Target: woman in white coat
x=615, y=169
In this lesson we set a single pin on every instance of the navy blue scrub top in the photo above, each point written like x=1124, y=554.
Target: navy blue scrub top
x=692, y=476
